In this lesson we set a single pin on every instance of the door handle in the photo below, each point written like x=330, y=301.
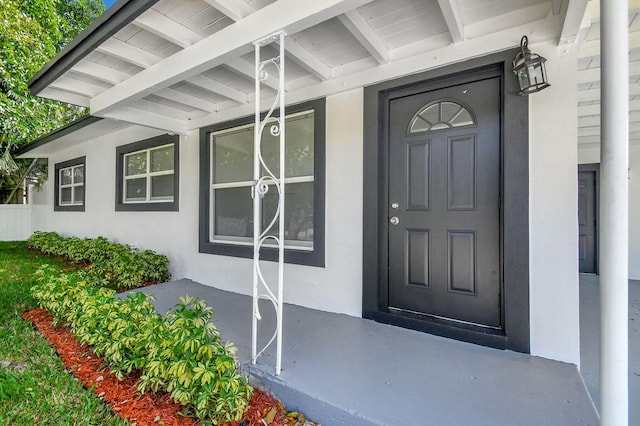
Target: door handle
x=394, y=220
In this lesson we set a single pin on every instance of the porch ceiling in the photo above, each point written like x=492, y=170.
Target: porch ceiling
x=181, y=65
x=589, y=77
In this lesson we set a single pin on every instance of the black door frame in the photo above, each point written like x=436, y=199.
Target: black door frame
x=514, y=203
x=595, y=168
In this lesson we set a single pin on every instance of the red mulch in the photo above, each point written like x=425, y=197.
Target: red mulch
x=123, y=396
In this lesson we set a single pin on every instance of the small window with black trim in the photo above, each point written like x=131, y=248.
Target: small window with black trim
x=147, y=175
x=70, y=185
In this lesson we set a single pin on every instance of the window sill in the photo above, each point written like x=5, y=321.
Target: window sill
x=313, y=257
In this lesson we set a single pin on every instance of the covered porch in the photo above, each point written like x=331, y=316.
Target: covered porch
x=152, y=67
x=342, y=370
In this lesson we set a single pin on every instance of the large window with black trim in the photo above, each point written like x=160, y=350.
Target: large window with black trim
x=226, y=176
x=147, y=175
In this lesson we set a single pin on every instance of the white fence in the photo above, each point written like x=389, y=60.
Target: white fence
x=15, y=222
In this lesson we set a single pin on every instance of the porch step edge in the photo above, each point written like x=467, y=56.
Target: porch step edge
x=294, y=399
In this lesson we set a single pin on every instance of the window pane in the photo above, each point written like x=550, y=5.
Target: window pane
x=431, y=114
x=419, y=125
x=462, y=119
x=162, y=187
x=78, y=174
x=233, y=212
x=65, y=177
x=298, y=214
x=78, y=194
x=299, y=133
x=233, y=154
x=65, y=196
x=162, y=159
x=449, y=110
x=136, y=164
x=136, y=189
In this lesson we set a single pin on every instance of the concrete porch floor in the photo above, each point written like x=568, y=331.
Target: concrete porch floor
x=590, y=341
x=341, y=370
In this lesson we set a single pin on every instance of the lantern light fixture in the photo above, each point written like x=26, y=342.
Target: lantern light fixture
x=529, y=69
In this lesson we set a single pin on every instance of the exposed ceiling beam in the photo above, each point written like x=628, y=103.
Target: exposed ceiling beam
x=161, y=109
x=238, y=9
x=219, y=88
x=572, y=14
x=234, y=9
x=594, y=94
x=290, y=16
x=595, y=130
x=586, y=142
x=166, y=28
x=362, y=31
x=100, y=72
x=64, y=96
x=76, y=86
x=306, y=59
x=404, y=65
x=129, y=53
x=594, y=120
x=586, y=110
x=453, y=19
x=537, y=12
x=592, y=75
x=146, y=118
x=248, y=70
x=187, y=99
x=591, y=48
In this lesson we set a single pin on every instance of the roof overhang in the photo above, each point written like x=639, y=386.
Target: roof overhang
x=109, y=23
x=182, y=65
x=82, y=130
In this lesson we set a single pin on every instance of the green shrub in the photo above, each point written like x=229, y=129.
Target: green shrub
x=180, y=352
x=111, y=265
x=187, y=357
x=47, y=242
x=77, y=250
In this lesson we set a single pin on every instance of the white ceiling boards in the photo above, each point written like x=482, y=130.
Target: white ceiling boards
x=181, y=65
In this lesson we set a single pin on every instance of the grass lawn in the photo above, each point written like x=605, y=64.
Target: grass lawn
x=35, y=389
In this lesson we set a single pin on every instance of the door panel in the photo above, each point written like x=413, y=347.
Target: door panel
x=462, y=262
x=444, y=195
x=418, y=172
x=418, y=250
x=461, y=184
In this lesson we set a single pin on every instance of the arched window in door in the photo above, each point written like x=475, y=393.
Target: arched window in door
x=440, y=115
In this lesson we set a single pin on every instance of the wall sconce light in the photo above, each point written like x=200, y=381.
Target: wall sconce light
x=529, y=69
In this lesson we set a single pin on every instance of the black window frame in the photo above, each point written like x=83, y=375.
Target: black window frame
x=146, y=144
x=56, y=197
x=315, y=257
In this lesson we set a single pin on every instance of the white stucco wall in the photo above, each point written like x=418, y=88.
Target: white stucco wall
x=591, y=155
x=338, y=286
x=553, y=217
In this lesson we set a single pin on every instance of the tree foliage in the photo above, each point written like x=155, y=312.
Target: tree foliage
x=31, y=33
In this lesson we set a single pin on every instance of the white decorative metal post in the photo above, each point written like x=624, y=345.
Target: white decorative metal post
x=265, y=180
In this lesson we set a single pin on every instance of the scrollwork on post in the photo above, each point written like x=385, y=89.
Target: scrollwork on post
x=263, y=182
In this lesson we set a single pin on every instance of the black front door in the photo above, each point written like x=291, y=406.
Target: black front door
x=444, y=204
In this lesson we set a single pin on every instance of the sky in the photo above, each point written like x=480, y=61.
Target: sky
x=108, y=3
